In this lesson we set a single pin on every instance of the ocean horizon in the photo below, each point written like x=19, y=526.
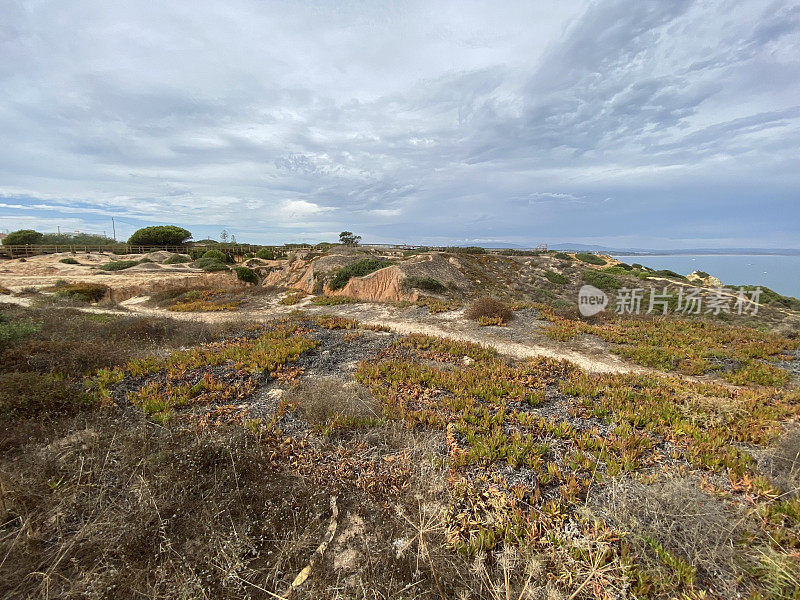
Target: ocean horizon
x=779, y=272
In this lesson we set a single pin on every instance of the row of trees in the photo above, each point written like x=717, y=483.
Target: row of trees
x=159, y=235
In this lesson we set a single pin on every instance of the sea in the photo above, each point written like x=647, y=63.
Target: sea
x=777, y=272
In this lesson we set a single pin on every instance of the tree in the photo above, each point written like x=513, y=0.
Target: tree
x=160, y=235
x=23, y=236
x=348, y=239
x=223, y=236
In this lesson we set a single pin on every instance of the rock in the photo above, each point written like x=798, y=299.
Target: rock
x=704, y=279
x=467, y=361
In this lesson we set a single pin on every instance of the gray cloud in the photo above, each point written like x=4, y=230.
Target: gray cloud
x=526, y=122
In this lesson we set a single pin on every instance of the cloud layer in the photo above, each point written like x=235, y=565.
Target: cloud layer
x=657, y=124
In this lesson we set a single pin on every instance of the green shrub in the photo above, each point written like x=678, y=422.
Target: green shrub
x=554, y=277
x=365, y=266
x=265, y=254
x=23, y=236
x=69, y=261
x=616, y=270
x=465, y=250
x=13, y=331
x=247, y=275
x=603, y=281
x=160, y=235
x=562, y=256
x=77, y=239
x=769, y=296
x=177, y=259
x=428, y=284
x=217, y=255
x=624, y=266
x=592, y=259
x=210, y=265
x=119, y=265
x=36, y=394
x=87, y=292
x=668, y=273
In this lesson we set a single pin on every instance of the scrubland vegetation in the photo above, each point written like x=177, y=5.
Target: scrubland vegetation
x=363, y=267
x=142, y=456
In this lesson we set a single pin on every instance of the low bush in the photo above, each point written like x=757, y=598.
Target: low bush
x=489, y=308
x=363, y=267
x=37, y=395
x=332, y=300
x=69, y=261
x=497, y=321
x=679, y=530
x=13, y=330
x=592, y=259
x=210, y=265
x=465, y=250
x=119, y=265
x=265, y=254
x=415, y=251
x=603, y=281
x=247, y=275
x=177, y=259
x=323, y=399
x=84, y=292
x=204, y=306
x=428, y=284
x=562, y=256
x=783, y=462
x=554, y=277
x=769, y=296
x=668, y=273
x=616, y=270
x=293, y=298
x=217, y=255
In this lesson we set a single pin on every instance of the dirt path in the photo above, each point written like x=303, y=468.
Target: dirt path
x=521, y=339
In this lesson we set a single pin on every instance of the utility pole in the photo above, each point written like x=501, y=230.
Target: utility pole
x=114, y=227
x=59, y=229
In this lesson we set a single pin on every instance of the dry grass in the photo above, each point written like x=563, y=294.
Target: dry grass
x=685, y=536
x=783, y=464
x=124, y=512
x=457, y=473
x=32, y=394
x=323, y=399
x=72, y=344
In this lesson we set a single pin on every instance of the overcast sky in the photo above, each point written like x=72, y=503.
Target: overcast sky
x=657, y=124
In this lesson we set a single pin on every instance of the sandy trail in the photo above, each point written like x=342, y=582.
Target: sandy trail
x=518, y=340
